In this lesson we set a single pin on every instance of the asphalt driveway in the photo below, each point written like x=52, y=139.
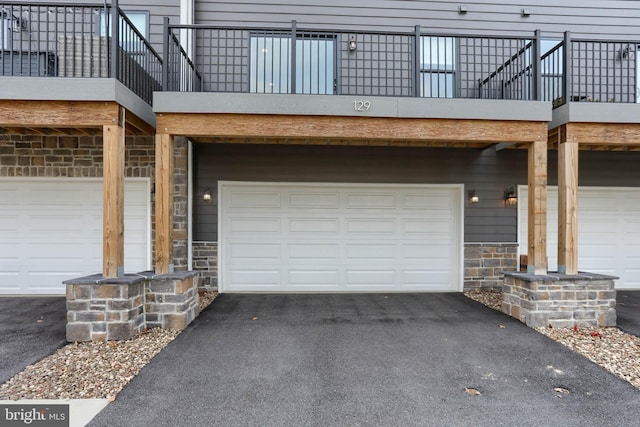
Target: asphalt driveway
x=374, y=360
x=628, y=311
x=31, y=328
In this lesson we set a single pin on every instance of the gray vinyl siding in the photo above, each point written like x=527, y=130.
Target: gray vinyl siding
x=157, y=9
x=487, y=171
x=610, y=19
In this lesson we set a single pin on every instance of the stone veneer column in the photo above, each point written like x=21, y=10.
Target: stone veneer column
x=561, y=301
x=100, y=309
x=484, y=264
x=171, y=299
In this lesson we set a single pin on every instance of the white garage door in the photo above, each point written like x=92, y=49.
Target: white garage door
x=339, y=238
x=608, y=231
x=51, y=230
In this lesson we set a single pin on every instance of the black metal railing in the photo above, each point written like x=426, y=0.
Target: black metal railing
x=179, y=73
x=307, y=61
x=580, y=70
x=77, y=40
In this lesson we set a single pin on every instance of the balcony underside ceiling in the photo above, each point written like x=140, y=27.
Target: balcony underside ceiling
x=58, y=118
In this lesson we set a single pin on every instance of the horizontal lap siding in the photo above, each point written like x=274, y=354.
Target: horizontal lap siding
x=595, y=18
x=487, y=171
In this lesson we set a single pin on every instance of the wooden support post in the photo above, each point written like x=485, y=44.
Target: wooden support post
x=164, y=203
x=113, y=198
x=568, y=207
x=537, y=255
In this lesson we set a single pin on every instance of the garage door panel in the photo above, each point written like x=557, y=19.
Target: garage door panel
x=313, y=225
x=369, y=201
x=428, y=202
x=59, y=224
x=608, y=231
x=313, y=278
x=258, y=278
x=314, y=200
x=438, y=228
x=255, y=225
x=371, y=226
x=341, y=238
x=313, y=251
x=255, y=200
x=425, y=278
x=369, y=251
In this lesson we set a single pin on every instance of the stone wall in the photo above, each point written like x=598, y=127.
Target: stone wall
x=561, y=301
x=171, y=300
x=485, y=262
x=81, y=156
x=111, y=309
x=205, y=261
x=101, y=309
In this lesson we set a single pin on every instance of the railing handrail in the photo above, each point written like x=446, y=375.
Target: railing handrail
x=509, y=61
x=184, y=54
x=552, y=50
x=139, y=34
x=287, y=29
x=100, y=5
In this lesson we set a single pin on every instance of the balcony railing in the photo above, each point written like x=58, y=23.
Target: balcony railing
x=77, y=40
x=598, y=71
x=308, y=61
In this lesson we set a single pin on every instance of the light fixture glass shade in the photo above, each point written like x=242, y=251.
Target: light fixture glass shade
x=510, y=197
x=206, y=196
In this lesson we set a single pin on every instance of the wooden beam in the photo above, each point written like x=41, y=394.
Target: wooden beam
x=537, y=227
x=568, y=208
x=64, y=114
x=113, y=199
x=164, y=203
x=610, y=134
x=342, y=127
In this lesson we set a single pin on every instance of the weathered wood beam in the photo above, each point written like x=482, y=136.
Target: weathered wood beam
x=537, y=227
x=358, y=128
x=113, y=198
x=609, y=134
x=57, y=114
x=568, y=208
x=164, y=203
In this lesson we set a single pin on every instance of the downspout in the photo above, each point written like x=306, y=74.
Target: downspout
x=189, y=205
x=187, y=13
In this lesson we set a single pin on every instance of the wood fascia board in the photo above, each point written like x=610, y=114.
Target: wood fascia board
x=57, y=114
x=603, y=134
x=368, y=128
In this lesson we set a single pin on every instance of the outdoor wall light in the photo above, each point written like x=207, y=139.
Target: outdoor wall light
x=624, y=52
x=525, y=13
x=510, y=197
x=352, y=43
x=206, y=196
x=473, y=196
x=462, y=10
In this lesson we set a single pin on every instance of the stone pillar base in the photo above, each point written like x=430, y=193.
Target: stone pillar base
x=171, y=299
x=561, y=301
x=100, y=309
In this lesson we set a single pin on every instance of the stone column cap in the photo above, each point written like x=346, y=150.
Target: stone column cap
x=99, y=279
x=554, y=276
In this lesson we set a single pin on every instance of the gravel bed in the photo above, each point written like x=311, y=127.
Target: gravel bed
x=614, y=350
x=92, y=370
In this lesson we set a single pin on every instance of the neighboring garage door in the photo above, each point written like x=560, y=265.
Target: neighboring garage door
x=51, y=230
x=608, y=231
x=339, y=238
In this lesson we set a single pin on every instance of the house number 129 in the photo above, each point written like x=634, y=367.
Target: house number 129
x=361, y=105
